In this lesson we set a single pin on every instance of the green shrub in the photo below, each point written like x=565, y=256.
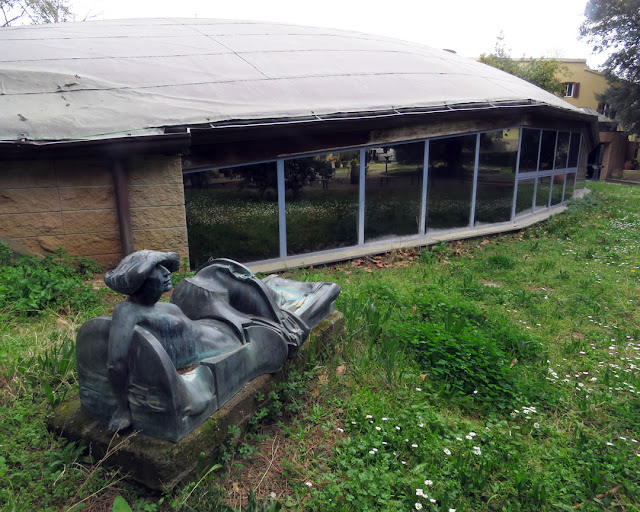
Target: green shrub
x=29, y=285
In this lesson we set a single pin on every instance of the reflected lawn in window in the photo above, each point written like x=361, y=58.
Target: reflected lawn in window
x=542, y=194
x=321, y=221
x=524, y=198
x=569, y=187
x=557, y=188
x=231, y=224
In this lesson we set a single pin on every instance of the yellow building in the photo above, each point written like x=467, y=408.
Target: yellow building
x=583, y=84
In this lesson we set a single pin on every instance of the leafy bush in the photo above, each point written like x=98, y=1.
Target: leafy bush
x=465, y=351
x=29, y=285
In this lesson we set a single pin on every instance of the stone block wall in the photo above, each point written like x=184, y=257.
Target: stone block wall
x=614, y=156
x=45, y=204
x=156, y=196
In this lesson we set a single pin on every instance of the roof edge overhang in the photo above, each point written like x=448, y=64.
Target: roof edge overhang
x=113, y=147
x=178, y=139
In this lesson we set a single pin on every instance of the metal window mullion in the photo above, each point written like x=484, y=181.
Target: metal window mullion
x=553, y=168
x=578, y=163
x=515, y=185
x=472, y=216
x=425, y=178
x=564, y=187
x=282, y=218
x=535, y=183
x=566, y=164
x=361, y=198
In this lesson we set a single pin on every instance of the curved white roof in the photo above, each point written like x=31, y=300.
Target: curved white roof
x=103, y=79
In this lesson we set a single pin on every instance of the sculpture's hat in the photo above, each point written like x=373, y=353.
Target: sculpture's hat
x=129, y=276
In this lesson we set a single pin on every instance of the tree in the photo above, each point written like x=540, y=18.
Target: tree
x=34, y=11
x=614, y=26
x=545, y=73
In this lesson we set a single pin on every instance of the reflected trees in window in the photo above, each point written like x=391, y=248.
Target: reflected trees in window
x=393, y=191
x=322, y=202
x=450, y=184
x=530, y=150
x=232, y=213
x=496, y=176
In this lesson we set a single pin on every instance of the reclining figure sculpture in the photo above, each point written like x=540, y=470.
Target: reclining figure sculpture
x=163, y=368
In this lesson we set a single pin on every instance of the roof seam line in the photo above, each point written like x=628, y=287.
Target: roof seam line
x=226, y=47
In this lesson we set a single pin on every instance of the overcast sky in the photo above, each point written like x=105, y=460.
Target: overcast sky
x=542, y=28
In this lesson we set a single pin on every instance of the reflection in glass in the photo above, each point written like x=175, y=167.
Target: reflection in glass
x=322, y=202
x=547, y=150
x=562, y=150
x=393, y=191
x=529, y=150
x=232, y=213
x=568, y=189
x=542, y=194
x=450, y=184
x=524, y=198
x=574, y=149
x=557, y=188
x=496, y=176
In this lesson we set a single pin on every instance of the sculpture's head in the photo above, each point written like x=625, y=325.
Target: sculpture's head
x=144, y=272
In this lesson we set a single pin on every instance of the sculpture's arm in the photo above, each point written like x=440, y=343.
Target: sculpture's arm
x=123, y=322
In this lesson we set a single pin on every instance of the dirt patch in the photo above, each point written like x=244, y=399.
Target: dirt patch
x=280, y=458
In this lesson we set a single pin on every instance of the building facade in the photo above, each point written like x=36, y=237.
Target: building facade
x=272, y=144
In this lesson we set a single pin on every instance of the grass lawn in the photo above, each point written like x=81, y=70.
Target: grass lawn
x=494, y=374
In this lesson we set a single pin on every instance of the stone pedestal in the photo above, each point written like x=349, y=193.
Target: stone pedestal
x=160, y=464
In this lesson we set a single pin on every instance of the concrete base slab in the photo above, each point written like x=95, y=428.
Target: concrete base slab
x=160, y=464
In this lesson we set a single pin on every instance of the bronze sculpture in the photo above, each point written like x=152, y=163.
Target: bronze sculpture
x=163, y=368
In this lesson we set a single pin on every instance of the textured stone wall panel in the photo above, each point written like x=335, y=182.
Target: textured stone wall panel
x=92, y=244
x=90, y=221
x=108, y=261
x=154, y=170
x=42, y=244
x=71, y=203
x=156, y=195
x=34, y=224
x=87, y=198
x=169, y=239
x=29, y=200
x=158, y=217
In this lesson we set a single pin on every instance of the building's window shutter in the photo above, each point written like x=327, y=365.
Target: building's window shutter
x=576, y=89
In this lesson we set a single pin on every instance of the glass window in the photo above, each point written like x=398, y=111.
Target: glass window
x=557, y=189
x=496, y=176
x=529, y=150
x=322, y=202
x=450, y=185
x=574, y=149
x=393, y=191
x=524, y=198
x=543, y=191
x=232, y=213
x=562, y=150
x=547, y=150
x=568, y=189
